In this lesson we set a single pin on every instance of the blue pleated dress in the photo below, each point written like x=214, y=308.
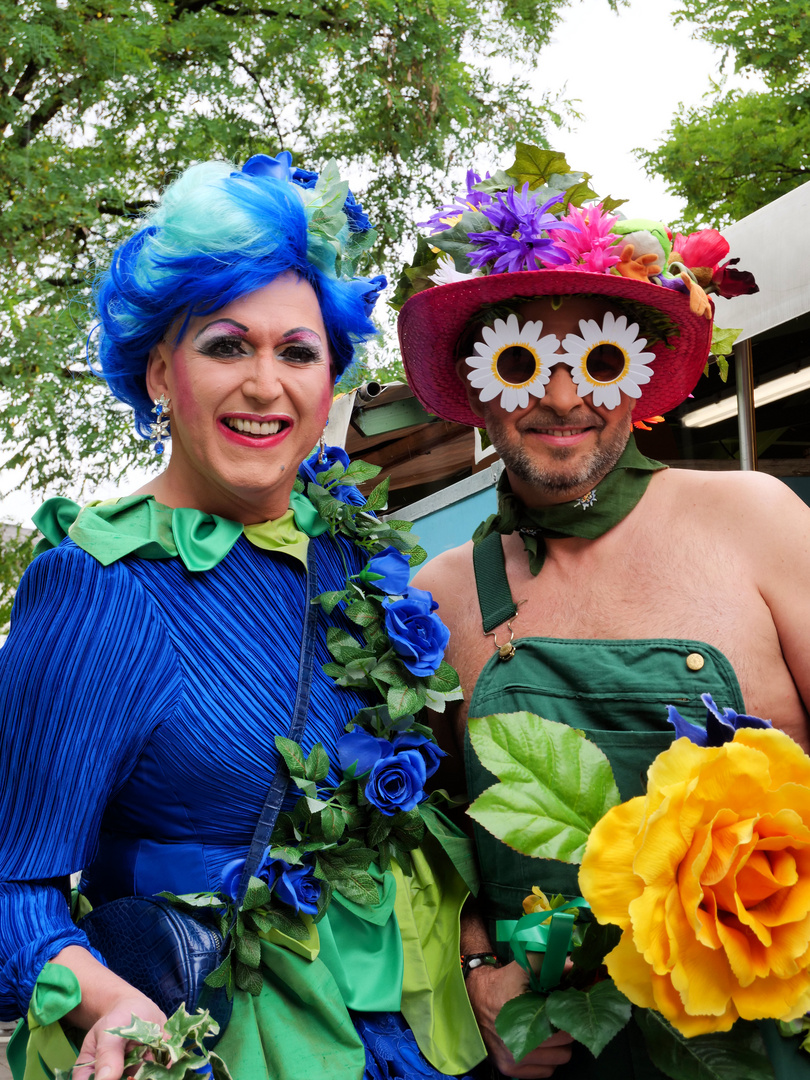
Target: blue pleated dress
x=138, y=707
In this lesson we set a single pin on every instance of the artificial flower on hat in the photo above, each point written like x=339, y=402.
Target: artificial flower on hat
x=539, y=229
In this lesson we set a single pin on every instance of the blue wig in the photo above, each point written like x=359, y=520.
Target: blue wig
x=215, y=236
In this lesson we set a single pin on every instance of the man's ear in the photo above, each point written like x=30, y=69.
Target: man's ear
x=461, y=369
x=156, y=383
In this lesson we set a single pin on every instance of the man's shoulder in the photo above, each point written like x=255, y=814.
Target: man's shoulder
x=446, y=570
x=737, y=491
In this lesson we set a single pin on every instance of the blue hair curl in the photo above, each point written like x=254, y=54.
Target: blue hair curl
x=215, y=236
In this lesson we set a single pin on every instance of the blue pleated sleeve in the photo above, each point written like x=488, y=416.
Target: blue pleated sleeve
x=86, y=675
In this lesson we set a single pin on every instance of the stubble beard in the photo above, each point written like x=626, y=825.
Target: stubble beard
x=547, y=479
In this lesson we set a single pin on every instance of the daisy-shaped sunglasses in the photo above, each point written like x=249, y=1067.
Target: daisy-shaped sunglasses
x=514, y=361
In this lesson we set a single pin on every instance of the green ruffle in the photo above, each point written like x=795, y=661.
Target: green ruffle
x=40, y=1045
x=138, y=525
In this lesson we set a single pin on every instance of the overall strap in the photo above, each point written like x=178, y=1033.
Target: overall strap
x=280, y=781
x=494, y=594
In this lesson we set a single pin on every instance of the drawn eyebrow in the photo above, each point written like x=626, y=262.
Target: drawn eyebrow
x=301, y=330
x=216, y=322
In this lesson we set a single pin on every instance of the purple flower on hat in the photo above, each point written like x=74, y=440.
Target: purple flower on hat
x=517, y=241
x=444, y=218
x=312, y=467
x=721, y=724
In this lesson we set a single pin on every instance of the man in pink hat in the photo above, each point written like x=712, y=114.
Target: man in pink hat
x=626, y=586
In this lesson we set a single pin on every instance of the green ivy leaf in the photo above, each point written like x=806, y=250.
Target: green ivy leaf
x=342, y=645
x=334, y=671
x=330, y=600
x=444, y=679
x=143, y=1032
x=364, y=612
x=248, y=950
x=361, y=471
x=417, y=555
x=593, y=1016
x=404, y=699
x=522, y=1024
x=317, y=764
x=609, y=204
x=738, y=1054
x=293, y=757
x=389, y=671
x=555, y=784
x=378, y=498
x=247, y=978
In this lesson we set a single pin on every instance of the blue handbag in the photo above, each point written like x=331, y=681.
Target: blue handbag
x=165, y=953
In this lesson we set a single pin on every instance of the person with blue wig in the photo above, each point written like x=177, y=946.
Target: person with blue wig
x=157, y=642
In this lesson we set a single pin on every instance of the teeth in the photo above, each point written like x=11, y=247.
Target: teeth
x=253, y=427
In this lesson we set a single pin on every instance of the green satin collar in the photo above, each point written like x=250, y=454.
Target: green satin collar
x=138, y=525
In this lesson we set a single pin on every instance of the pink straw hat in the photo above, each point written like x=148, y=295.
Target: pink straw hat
x=537, y=230
x=431, y=322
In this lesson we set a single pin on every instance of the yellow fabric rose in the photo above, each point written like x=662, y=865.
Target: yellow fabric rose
x=708, y=876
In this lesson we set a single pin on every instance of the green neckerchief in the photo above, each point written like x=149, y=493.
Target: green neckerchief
x=138, y=525
x=590, y=516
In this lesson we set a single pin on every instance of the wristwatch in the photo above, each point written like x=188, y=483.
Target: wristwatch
x=471, y=961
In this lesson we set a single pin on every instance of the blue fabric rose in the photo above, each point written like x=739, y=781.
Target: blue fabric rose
x=397, y=783
x=304, y=178
x=358, y=221
x=388, y=571
x=358, y=752
x=230, y=877
x=263, y=165
x=414, y=740
x=721, y=724
x=418, y=636
x=334, y=455
x=296, y=886
x=369, y=290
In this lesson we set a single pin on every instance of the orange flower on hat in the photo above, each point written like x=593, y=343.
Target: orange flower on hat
x=708, y=876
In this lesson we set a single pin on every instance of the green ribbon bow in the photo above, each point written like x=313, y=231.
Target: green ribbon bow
x=546, y=932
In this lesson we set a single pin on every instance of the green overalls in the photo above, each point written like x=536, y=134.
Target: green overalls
x=618, y=692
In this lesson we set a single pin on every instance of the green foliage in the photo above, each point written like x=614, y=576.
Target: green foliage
x=555, y=784
x=16, y=549
x=742, y=149
x=592, y=1016
x=738, y=1054
x=522, y=1024
x=102, y=104
x=175, y=1053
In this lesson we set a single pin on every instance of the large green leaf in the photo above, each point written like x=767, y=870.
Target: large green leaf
x=592, y=1016
x=522, y=1024
x=555, y=784
x=738, y=1054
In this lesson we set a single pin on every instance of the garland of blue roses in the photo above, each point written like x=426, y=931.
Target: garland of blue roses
x=333, y=834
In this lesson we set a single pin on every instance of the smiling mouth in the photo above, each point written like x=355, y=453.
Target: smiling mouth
x=258, y=428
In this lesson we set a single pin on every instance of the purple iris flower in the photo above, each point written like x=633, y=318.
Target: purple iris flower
x=472, y=199
x=721, y=724
x=516, y=242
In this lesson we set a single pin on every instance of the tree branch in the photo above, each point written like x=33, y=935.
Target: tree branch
x=47, y=110
x=133, y=207
x=26, y=81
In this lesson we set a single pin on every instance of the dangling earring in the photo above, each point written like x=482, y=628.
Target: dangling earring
x=159, y=430
x=322, y=449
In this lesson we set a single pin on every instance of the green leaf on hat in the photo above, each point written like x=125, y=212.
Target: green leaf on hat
x=416, y=277
x=535, y=165
x=554, y=784
x=456, y=241
x=498, y=181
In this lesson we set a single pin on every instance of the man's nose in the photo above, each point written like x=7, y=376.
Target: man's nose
x=561, y=391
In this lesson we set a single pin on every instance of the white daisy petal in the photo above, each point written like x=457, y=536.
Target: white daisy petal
x=613, y=331
x=504, y=335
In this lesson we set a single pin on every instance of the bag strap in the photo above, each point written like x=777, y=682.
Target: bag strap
x=494, y=595
x=280, y=781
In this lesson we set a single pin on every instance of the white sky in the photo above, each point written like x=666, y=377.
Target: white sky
x=630, y=72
